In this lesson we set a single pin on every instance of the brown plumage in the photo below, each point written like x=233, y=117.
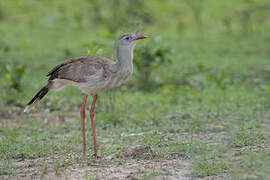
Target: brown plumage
x=76, y=69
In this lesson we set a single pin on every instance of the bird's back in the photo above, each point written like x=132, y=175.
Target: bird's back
x=80, y=69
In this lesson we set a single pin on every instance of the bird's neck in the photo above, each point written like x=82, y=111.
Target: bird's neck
x=124, y=58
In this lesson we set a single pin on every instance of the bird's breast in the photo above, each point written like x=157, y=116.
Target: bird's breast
x=119, y=77
x=105, y=80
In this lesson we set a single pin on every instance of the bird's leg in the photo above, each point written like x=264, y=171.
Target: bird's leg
x=83, y=120
x=92, y=114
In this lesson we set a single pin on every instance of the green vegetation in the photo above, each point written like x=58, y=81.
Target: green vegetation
x=199, y=97
x=150, y=56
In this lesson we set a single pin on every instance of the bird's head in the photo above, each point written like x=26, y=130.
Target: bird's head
x=129, y=40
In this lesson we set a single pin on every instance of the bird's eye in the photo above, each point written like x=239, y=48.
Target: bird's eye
x=127, y=38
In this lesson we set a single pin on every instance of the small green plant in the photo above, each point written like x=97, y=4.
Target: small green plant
x=209, y=167
x=254, y=165
x=56, y=167
x=246, y=138
x=96, y=50
x=43, y=169
x=14, y=74
x=210, y=164
x=149, y=56
x=88, y=175
x=6, y=167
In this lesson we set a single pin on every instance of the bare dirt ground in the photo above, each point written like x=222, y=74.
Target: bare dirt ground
x=174, y=166
x=166, y=169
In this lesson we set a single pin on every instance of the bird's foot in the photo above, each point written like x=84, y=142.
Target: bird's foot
x=96, y=156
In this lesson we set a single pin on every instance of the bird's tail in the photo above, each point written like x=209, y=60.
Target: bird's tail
x=41, y=93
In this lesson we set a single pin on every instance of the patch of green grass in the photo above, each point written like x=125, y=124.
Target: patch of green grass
x=190, y=149
x=210, y=166
x=43, y=170
x=59, y=166
x=6, y=167
x=247, y=138
x=145, y=175
x=32, y=141
x=88, y=176
x=206, y=168
x=253, y=165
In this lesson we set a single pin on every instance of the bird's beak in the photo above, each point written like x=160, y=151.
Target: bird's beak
x=140, y=37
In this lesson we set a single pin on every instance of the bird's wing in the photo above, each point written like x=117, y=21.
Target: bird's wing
x=79, y=68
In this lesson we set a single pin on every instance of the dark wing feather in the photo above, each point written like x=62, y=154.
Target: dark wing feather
x=77, y=69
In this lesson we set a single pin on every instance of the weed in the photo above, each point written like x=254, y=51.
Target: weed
x=152, y=54
x=43, y=169
x=14, y=75
x=209, y=165
x=247, y=138
x=254, y=165
x=6, y=167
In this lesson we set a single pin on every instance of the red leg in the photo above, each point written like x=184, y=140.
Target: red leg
x=92, y=114
x=83, y=120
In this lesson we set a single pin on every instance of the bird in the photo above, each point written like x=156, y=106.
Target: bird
x=91, y=74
